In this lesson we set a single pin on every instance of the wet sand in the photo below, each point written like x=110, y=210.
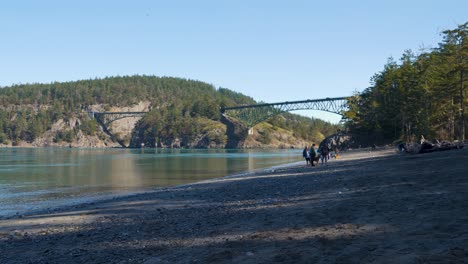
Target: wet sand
x=368, y=207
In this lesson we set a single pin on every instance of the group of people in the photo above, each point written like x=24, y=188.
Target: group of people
x=312, y=156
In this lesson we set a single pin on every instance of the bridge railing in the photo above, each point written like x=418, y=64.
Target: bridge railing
x=251, y=115
x=223, y=109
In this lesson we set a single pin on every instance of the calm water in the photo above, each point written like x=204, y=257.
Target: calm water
x=40, y=178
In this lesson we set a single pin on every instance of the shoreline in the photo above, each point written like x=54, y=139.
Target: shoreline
x=92, y=200
x=370, y=207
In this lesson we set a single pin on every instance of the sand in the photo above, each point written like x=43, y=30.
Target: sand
x=368, y=207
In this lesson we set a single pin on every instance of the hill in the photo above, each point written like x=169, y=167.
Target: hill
x=181, y=113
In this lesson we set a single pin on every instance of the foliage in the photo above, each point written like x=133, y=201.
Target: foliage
x=64, y=135
x=421, y=95
x=179, y=109
x=89, y=126
x=265, y=137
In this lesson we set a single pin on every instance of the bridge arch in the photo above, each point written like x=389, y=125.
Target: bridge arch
x=250, y=115
x=106, y=118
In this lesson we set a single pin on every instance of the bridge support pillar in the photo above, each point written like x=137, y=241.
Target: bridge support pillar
x=250, y=131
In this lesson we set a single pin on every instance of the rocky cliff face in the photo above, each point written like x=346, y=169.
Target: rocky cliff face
x=100, y=140
x=340, y=141
x=120, y=129
x=264, y=135
x=225, y=134
x=49, y=138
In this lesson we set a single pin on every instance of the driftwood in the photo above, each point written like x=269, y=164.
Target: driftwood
x=427, y=146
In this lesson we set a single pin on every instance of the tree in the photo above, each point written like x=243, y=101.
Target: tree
x=455, y=47
x=422, y=94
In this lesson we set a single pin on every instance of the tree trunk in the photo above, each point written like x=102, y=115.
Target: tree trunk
x=453, y=118
x=462, y=108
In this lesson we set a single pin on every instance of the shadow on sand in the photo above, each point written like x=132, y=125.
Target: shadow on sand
x=392, y=209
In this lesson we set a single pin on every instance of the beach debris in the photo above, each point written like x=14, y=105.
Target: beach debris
x=426, y=146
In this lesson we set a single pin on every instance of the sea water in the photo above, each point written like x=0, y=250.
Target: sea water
x=33, y=179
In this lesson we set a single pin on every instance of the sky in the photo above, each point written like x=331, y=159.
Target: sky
x=270, y=50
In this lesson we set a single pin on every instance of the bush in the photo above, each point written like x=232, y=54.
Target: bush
x=67, y=136
x=265, y=137
x=3, y=138
x=89, y=127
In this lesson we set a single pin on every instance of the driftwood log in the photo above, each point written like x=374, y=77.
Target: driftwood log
x=427, y=146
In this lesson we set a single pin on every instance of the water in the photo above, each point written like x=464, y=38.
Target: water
x=39, y=178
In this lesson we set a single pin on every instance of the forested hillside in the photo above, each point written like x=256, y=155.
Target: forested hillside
x=422, y=94
x=182, y=112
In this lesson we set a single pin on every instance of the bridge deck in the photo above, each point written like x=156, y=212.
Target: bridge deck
x=251, y=115
x=283, y=103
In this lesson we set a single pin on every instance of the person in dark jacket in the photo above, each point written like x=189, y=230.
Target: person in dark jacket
x=313, y=155
x=324, y=151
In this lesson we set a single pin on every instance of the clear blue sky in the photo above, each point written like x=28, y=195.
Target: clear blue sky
x=270, y=50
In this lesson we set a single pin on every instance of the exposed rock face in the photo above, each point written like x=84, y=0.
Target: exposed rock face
x=123, y=128
x=224, y=134
x=236, y=133
x=48, y=139
x=267, y=136
x=81, y=140
x=339, y=140
x=262, y=135
x=209, y=134
x=120, y=128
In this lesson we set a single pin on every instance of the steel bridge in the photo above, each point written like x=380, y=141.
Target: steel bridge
x=106, y=118
x=250, y=115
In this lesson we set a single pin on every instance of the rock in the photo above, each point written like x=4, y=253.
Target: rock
x=339, y=140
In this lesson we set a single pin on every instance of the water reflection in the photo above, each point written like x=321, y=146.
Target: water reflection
x=35, y=175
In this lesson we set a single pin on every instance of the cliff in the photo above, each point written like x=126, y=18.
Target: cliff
x=214, y=134
x=181, y=113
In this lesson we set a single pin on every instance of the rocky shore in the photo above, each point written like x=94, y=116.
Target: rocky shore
x=368, y=207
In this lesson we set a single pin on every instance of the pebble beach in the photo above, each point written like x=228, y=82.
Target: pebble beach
x=366, y=207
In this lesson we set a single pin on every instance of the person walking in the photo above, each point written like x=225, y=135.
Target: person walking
x=306, y=155
x=324, y=151
x=313, y=155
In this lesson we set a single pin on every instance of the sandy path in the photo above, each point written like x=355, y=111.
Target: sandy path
x=370, y=207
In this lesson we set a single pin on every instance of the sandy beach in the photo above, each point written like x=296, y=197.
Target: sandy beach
x=367, y=207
